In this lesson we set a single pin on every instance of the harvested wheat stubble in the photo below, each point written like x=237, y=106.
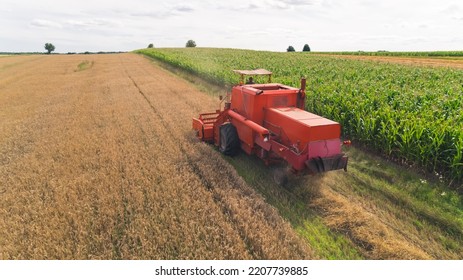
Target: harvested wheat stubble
x=375, y=239
x=382, y=228
x=101, y=164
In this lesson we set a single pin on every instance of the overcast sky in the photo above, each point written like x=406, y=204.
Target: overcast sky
x=326, y=25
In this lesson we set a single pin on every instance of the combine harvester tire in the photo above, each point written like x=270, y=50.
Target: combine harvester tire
x=229, y=141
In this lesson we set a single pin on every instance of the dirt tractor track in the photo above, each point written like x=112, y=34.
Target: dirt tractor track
x=101, y=163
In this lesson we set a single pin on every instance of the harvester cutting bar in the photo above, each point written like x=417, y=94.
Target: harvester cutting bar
x=208, y=117
x=204, y=126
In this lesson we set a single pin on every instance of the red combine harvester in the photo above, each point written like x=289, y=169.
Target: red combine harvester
x=269, y=120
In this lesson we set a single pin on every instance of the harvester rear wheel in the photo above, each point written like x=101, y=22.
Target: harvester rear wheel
x=229, y=141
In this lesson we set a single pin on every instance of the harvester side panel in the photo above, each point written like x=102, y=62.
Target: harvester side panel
x=299, y=127
x=250, y=100
x=297, y=161
x=324, y=148
x=248, y=131
x=246, y=136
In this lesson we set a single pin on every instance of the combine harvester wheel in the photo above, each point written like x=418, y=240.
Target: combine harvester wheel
x=229, y=141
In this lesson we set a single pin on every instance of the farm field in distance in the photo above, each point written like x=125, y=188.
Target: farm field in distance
x=416, y=54
x=98, y=161
x=455, y=62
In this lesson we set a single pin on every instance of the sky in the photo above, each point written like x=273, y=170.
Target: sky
x=326, y=25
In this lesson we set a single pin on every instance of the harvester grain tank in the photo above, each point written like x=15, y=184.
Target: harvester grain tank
x=269, y=120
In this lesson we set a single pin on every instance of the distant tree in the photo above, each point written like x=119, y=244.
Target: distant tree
x=190, y=44
x=290, y=49
x=150, y=46
x=49, y=47
x=306, y=48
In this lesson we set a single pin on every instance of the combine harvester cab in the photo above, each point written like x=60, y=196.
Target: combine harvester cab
x=269, y=121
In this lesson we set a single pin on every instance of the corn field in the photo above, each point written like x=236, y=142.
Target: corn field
x=408, y=113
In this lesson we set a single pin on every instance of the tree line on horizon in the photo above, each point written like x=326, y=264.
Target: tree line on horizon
x=306, y=48
x=49, y=47
x=192, y=44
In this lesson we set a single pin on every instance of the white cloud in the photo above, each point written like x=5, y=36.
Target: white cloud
x=452, y=9
x=165, y=12
x=263, y=5
x=183, y=8
x=85, y=24
x=298, y=2
x=43, y=23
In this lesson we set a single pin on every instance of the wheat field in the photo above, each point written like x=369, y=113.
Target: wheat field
x=98, y=161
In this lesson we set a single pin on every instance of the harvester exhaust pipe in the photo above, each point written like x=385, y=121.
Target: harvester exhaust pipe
x=301, y=95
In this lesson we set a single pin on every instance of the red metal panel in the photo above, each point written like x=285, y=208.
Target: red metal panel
x=297, y=114
x=237, y=101
x=246, y=135
x=208, y=132
x=297, y=161
x=198, y=127
x=257, y=128
x=204, y=131
x=264, y=144
x=300, y=127
x=250, y=100
x=324, y=148
x=248, y=131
